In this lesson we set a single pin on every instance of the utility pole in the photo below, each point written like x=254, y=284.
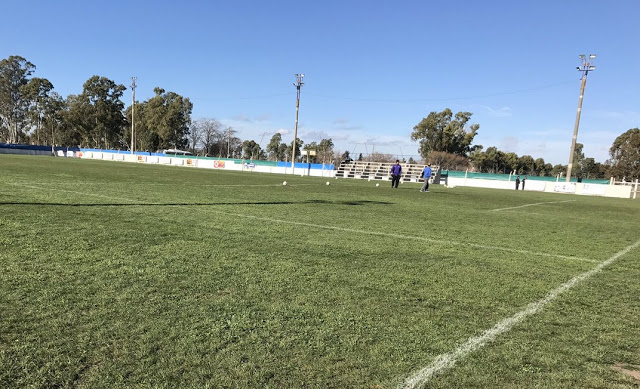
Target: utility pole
x=133, y=113
x=587, y=66
x=297, y=84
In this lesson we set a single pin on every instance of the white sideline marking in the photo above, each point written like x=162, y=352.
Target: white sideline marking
x=446, y=361
x=80, y=193
x=531, y=205
x=391, y=235
x=412, y=237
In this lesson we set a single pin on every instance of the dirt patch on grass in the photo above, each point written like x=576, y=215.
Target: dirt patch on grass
x=628, y=370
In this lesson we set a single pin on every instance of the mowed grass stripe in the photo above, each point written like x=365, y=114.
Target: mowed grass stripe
x=448, y=360
x=173, y=289
x=343, y=229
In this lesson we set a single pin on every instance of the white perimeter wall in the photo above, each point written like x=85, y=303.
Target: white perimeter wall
x=621, y=191
x=207, y=164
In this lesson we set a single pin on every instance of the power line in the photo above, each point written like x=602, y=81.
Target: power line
x=442, y=98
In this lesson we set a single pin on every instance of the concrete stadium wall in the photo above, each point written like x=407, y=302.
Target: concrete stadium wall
x=619, y=191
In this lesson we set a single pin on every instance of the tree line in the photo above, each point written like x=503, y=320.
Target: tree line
x=446, y=140
x=32, y=112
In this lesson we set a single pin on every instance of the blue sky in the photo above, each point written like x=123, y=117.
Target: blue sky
x=373, y=69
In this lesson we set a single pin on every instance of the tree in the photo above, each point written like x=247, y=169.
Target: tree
x=251, y=150
x=97, y=114
x=346, y=157
x=359, y=156
x=325, y=151
x=448, y=161
x=14, y=73
x=558, y=169
x=298, y=145
x=578, y=158
x=37, y=92
x=169, y=115
x=625, y=155
x=438, y=132
x=526, y=164
x=273, y=148
x=210, y=130
x=539, y=167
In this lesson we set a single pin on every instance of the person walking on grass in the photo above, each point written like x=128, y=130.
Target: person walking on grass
x=396, y=171
x=426, y=174
x=517, y=182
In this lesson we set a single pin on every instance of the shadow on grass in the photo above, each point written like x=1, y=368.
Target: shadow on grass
x=359, y=202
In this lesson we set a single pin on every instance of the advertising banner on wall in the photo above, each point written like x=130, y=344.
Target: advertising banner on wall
x=594, y=189
x=565, y=187
x=218, y=164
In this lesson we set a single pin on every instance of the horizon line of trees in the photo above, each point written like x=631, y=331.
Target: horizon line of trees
x=446, y=140
x=32, y=112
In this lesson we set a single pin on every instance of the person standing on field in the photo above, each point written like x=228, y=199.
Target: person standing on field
x=396, y=171
x=517, y=182
x=426, y=174
x=523, y=180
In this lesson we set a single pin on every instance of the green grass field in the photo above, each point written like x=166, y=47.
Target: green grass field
x=118, y=275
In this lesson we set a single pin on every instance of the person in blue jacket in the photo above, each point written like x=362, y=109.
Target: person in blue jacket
x=426, y=174
x=396, y=171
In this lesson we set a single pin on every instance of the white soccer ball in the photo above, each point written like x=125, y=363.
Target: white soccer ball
x=284, y=183
x=377, y=184
x=327, y=182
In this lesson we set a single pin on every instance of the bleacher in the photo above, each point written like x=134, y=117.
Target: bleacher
x=380, y=171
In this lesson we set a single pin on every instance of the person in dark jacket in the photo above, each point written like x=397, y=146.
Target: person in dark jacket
x=396, y=171
x=517, y=182
x=523, y=180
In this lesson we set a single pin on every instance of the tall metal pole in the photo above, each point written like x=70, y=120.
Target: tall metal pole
x=297, y=84
x=585, y=69
x=133, y=114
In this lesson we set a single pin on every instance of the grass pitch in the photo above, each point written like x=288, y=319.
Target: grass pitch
x=116, y=275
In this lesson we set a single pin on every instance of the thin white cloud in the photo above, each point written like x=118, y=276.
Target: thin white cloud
x=500, y=112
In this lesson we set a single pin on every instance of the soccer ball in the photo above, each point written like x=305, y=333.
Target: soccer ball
x=327, y=182
x=284, y=183
x=377, y=184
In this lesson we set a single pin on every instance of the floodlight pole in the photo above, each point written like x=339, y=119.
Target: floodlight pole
x=585, y=69
x=297, y=84
x=133, y=112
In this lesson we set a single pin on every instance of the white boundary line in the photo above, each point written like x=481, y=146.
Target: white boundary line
x=409, y=237
x=325, y=227
x=531, y=205
x=448, y=360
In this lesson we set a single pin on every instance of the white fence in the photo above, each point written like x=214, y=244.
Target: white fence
x=206, y=163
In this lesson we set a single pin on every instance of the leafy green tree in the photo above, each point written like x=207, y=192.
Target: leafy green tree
x=558, y=169
x=439, y=131
x=578, y=159
x=14, y=105
x=169, y=115
x=510, y=162
x=325, y=151
x=298, y=144
x=251, y=150
x=625, y=155
x=37, y=92
x=97, y=114
x=526, y=165
x=273, y=148
x=539, y=167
